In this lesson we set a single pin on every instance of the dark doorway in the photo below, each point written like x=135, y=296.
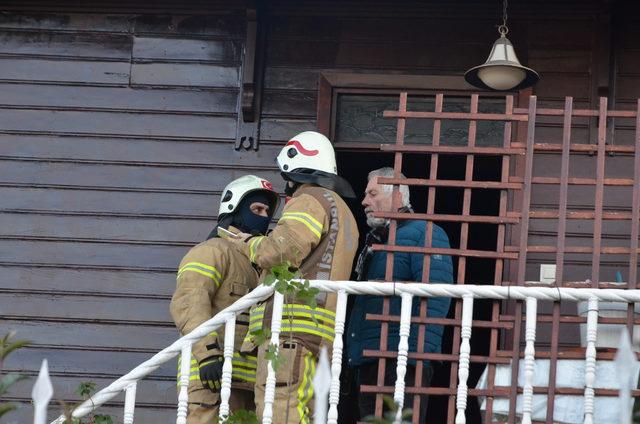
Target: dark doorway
x=354, y=165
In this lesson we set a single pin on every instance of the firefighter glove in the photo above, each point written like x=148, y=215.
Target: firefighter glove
x=211, y=373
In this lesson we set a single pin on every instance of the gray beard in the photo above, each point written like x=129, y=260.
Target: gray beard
x=377, y=222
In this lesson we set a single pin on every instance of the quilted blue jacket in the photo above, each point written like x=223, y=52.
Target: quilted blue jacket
x=364, y=334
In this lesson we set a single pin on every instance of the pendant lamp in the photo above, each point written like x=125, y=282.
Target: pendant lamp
x=502, y=71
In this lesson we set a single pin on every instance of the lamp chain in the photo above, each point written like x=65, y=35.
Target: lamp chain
x=503, y=29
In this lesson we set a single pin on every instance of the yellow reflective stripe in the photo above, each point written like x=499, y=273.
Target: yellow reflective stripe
x=256, y=316
x=305, y=390
x=305, y=216
x=326, y=328
x=309, y=308
x=256, y=320
x=238, y=376
x=310, y=222
x=253, y=328
x=299, y=326
x=244, y=362
x=306, y=311
x=253, y=245
x=201, y=265
x=201, y=272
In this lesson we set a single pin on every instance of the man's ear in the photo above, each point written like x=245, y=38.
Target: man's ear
x=396, y=199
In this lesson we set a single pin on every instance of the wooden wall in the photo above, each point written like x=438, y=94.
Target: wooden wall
x=117, y=132
x=116, y=138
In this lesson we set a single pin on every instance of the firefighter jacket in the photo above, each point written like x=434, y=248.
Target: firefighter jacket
x=213, y=275
x=318, y=235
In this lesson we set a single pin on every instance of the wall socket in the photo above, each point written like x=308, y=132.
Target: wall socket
x=548, y=273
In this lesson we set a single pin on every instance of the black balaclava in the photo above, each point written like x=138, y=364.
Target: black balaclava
x=247, y=221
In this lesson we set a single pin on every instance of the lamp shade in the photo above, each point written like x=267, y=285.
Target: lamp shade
x=502, y=70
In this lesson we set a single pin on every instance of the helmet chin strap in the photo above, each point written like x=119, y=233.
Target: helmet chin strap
x=223, y=222
x=290, y=188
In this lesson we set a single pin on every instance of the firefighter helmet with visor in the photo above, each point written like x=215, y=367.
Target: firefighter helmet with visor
x=308, y=151
x=237, y=189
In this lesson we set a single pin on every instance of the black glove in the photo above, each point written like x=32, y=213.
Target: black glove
x=211, y=373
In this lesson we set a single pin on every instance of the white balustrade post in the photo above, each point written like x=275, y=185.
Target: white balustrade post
x=227, y=367
x=626, y=371
x=270, y=388
x=336, y=358
x=41, y=394
x=590, y=361
x=321, y=386
x=529, y=358
x=185, y=374
x=465, y=353
x=129, y=403
x=403, y=352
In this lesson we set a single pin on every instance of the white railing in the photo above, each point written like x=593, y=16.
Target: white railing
x=407, y=291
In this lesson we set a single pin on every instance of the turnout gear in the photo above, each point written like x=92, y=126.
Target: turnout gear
x=308, y=158
x=212, y=276
x=318, y=235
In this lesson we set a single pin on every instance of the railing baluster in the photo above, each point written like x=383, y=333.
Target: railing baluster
x=227, y=367
x=403, y=351
x=467, y=292
x=185, y=373
x=41, y=394
x=336, y=358
x=465, y=354
x=270, y=392
x=590, y=361
x=129, y=403
x=529, y=358
x=321, y=387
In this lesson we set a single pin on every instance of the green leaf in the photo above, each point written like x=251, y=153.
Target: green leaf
x=269, y=280
x=9, y=380
x=85, y=388
x=273, y=356
x=8, y=345
x=241, y=416
x=5, y=408
x=260, y=336
x=102, y=419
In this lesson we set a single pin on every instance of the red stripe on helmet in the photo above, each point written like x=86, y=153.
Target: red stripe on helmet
x=301, y=149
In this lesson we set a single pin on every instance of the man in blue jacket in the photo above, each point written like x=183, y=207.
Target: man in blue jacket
x=365, y=334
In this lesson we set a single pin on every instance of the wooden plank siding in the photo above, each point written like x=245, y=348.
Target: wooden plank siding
x=117, y=136
x=117, y=127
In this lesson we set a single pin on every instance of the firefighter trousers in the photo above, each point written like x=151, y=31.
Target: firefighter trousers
x=204, y=405
x=294, y=377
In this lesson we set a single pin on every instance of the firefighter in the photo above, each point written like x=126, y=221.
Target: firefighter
x=318, y=235
x=212, y=276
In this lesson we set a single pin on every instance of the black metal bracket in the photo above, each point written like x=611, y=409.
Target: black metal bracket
x=248, y=128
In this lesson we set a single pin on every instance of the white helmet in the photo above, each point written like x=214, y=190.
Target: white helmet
x=308, y=150
x=237, y=189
